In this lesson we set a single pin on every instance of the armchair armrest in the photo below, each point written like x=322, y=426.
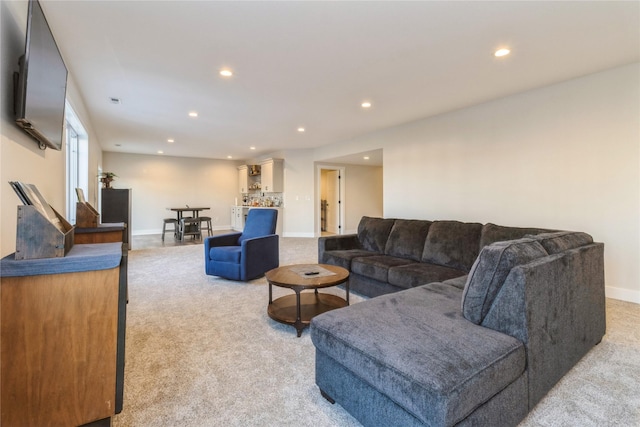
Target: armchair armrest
x=337, y=243
x=259, y=255
x=556, y=306
x=230, y=239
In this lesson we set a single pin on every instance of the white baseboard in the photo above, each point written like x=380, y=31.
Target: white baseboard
x=298, y=235
x=622, y=294
x=146, y=232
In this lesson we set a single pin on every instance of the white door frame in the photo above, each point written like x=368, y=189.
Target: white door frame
x=342, y=197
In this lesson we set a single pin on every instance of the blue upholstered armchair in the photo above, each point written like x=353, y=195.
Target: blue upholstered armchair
x=247, y=255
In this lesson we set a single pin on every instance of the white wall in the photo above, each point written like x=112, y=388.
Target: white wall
x=160, y=182
x=299, y=195
x=20, y=157
x=363, y=195
x=566, y=156
x=362, y=186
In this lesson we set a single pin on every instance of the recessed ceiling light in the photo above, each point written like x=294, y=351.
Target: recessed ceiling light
x=252, y=148
x=193, y=114
x=366, y=157
x=160, y=152
x=502, y=52
x=229, y=157
x=300, y=129
x=170, y=141
x=118, y=145
x=226, y=73
x=366, y=104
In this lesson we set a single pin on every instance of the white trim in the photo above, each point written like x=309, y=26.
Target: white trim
x=343, y=197
x=146, y=232
x=622, y=294
x=287, y=234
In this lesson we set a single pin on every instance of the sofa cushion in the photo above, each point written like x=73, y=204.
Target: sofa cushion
x=458, y=282
x=416, y=274
x=407, y=238
x=374, y=232
x=377, y=266
x=489, y=272
x=415, y=347
x=452, y=244
x=343, y=258
x=562, y=241
x=497, y=233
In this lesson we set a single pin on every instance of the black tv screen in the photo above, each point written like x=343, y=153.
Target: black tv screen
x=42, y=83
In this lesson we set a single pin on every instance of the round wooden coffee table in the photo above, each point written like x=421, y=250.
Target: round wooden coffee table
x=297, y=310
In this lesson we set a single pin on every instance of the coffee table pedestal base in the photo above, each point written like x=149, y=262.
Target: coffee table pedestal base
x=298, y=310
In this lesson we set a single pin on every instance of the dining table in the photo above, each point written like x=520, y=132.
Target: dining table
x=189, y=229
x=180, y=211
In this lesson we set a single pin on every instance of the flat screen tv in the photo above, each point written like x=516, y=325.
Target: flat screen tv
x=41, y=83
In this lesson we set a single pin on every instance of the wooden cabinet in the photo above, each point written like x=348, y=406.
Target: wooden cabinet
x=243, y=179
x=272, y=175
x=103, y=233
x=62, y=346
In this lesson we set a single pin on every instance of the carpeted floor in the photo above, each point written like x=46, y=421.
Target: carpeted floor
x=201, y=351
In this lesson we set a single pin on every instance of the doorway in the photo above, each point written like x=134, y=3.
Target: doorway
x=331, y=203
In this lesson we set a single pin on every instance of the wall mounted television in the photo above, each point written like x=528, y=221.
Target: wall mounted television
x=41, y=83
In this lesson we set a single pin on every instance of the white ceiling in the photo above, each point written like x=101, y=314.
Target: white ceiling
x=311, y=64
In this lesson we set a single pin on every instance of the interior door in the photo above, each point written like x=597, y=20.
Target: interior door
x=333, y=201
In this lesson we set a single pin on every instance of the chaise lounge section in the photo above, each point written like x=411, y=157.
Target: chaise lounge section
x=479, y=348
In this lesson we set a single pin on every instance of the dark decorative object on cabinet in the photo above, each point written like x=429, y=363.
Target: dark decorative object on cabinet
x=116, y=207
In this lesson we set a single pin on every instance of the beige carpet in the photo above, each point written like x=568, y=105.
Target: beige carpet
x=201, y=351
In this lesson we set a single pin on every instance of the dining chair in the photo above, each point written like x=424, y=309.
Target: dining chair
x=190, y=226
x=205, y=224
x=173, y=222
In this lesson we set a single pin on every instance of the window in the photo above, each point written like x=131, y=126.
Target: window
x=77, y=150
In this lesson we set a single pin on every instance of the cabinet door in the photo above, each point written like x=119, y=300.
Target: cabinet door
x=59, y=348
x=243, y=181
x=240, y=219
x=272, y=176
x=233, y=217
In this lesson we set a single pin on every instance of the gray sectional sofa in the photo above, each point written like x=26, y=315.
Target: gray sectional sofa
x=471, y=324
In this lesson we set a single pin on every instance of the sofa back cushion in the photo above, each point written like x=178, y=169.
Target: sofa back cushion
x=452, y=244
x=562, y=241
x=407, y=238
x=489, y=272
x=374, y=232
x=497, y=233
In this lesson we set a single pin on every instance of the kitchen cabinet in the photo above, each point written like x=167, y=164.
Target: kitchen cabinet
x=243, y=179
x=237, y=217
x=248, y=178
x=233, y=217
x=272, y=175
